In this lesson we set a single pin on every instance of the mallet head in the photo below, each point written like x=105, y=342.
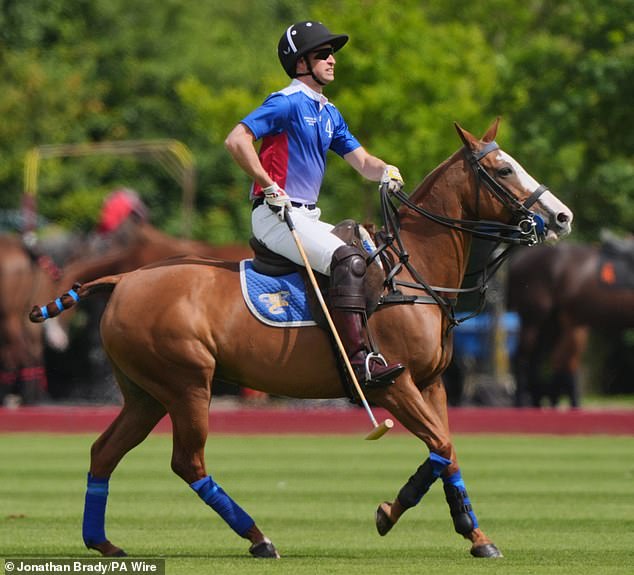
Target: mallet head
x=380, y=430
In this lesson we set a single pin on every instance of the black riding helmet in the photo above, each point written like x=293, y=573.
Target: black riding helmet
x=299, y=39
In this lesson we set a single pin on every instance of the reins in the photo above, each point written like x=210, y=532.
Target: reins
x=528, y=230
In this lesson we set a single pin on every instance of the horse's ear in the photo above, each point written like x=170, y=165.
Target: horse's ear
x=468, y=139
x=492, y=131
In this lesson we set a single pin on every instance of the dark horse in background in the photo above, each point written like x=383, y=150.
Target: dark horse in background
x=172, y=330
x=28, y=274
x=561, y=292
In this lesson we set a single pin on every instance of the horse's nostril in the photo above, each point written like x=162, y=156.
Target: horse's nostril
x=562, y=218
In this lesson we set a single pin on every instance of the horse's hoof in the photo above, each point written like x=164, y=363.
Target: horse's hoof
x=382, y=520
x=488, y=550
x=107, y=549
x=118, y=553
x=264, y=550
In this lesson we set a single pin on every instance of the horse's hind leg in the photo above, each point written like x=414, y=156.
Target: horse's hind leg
x=567, y=357
x=429, y=407
x=139, y=415
x=527, y=364
x=190, y=422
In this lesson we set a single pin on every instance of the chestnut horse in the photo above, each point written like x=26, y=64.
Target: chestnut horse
x=560, y=292
x=171, y=330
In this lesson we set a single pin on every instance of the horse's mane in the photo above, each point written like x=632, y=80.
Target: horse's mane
x=430, y=179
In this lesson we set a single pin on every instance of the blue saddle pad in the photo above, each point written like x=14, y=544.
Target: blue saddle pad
x=278, y=301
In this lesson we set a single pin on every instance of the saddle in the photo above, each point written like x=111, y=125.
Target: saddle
x=270, y=263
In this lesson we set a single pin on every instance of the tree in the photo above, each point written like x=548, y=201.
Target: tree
x=559, y=73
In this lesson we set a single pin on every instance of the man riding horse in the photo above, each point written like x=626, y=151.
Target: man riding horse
x=298, y=125
x=173, y=329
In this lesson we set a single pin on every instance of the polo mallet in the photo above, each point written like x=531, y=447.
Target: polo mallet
x=379, y=430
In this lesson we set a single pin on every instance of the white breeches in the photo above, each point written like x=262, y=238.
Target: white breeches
x=317, y=241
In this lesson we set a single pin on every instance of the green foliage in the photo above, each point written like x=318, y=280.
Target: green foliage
x=566, y=92
x=559, y=73
x=400, y=85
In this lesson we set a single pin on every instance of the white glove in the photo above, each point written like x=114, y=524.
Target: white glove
x=278, y=199
x=392, y=178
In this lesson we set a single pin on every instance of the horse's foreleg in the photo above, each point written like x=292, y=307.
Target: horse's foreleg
x=464, y=519
x=135, y=421
x=406, y=403
x=190, y=433
x=430, y=410
x=411, y=493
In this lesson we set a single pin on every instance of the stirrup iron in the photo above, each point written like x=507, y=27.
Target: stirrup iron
x=376, y=357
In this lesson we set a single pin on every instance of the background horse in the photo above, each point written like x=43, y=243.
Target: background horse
x=560, y=292
x=27, y=276
x=173, y=330
x=22, y=280
x=138, y=243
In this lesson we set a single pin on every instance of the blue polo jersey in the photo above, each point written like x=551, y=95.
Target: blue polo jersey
x=298, y=126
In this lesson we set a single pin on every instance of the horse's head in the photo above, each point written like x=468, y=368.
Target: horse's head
x=513, y=194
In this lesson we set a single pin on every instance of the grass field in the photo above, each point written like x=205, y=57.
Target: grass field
x=552, y=504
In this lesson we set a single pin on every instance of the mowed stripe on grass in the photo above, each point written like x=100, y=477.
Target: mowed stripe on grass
x=552, y=504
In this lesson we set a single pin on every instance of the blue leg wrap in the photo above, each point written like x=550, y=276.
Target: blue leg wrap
x=464, y=519
x=94, y=530
x=438, y=463
x=214, y=496
x=418, y=484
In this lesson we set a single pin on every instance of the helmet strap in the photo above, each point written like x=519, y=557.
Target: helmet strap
x=310, y=73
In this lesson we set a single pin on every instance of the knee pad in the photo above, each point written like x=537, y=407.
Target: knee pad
x=356, y=257
x=347, y=274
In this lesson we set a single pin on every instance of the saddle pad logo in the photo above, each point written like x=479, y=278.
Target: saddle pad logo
x=279, y=301
x=275, y=301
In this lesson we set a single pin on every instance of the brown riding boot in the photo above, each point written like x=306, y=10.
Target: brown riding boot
x=347, y=299
x=370, y=369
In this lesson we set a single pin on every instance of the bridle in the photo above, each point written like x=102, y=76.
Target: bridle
x=530, y=226
x=529, y=229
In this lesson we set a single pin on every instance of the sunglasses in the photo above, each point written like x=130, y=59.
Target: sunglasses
x=323, y=53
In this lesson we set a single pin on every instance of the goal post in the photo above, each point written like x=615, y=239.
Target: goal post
x=172, y=155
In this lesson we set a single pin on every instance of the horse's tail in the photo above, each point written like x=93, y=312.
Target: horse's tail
x=72, y=296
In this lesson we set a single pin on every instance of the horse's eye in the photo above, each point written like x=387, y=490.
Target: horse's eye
x=506, y=171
